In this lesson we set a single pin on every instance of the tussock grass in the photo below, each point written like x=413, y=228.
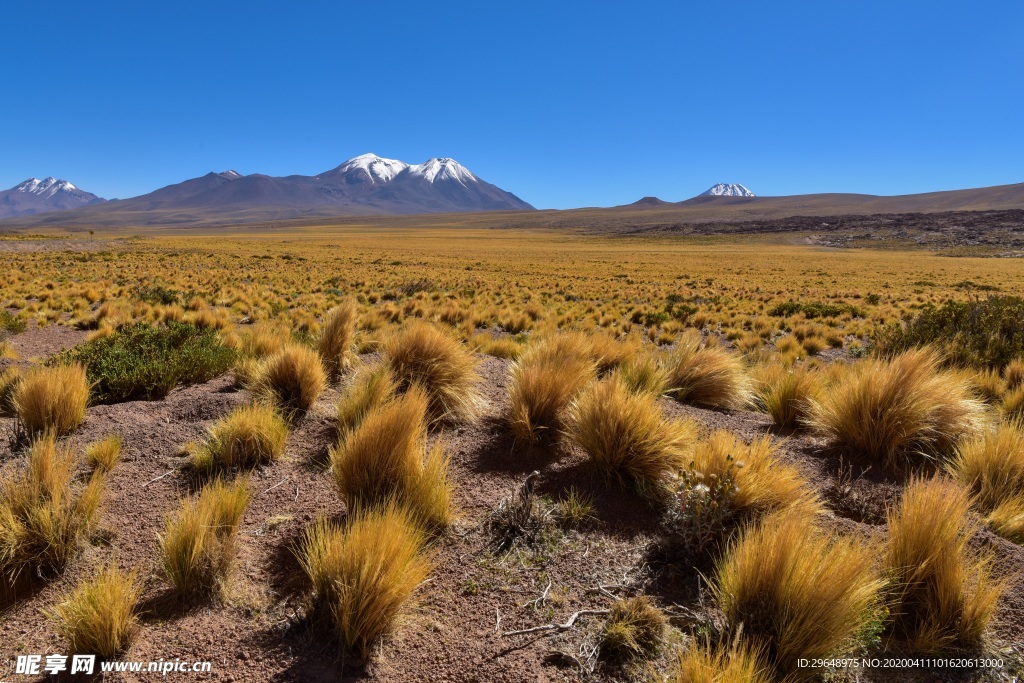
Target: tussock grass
x=764, y=483
x=707, y=375
x=795, y=591
x=364, y=574
x=372, y=386
x=385, y=459
x=200, y=541
x=52, y=398
x=943, y=594
x=1013, y=373
x=627, y=437
x=102, y=455
x=335, y=342
x=425, y=355
x=10, y=377
x=292, y=379
x=644, y=372
x=701, y=664
x=635, y=629
x=262, y=340
x=576, y=509
x=897, y=411
x=786, y=394
x=101, y=615
x=249, y=437
x=45, y=515
x=543, y=382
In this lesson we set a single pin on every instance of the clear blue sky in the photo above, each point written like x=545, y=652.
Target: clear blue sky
x=563, y=103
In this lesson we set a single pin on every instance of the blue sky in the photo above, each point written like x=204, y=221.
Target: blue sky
x=565, y=104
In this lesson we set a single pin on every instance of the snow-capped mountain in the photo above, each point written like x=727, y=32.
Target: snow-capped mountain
x=366, y=184
x=727, y=190
x=39, y=196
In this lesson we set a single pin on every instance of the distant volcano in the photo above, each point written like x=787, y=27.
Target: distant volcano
x=39, y=196
x=727, y=190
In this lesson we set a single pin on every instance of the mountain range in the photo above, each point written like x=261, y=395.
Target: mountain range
x=365, y=185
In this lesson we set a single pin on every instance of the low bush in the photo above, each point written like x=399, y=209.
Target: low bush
x=707, y=375
x=52, y=398
x=102, y=455
x=793, y=591
x=943, y=594
x=335, y=342
x=543, y=382
x=141, y=361
x=814, y=309
x=982, y=332
x=627, y=437
x=425, y=355
x=291, y=379
x=101, y=616
x=385, y=459
x=635, y=629
x=200, y=541
x=897, y=411
x=45, y=515
x=249, y=437
x=363, y=574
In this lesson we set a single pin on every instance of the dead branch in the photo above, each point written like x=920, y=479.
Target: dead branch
x=557, y=627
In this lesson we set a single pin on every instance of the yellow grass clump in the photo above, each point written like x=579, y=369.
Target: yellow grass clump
x=200, y=541
x=101, y=615
x=700, y=663
x=944, y=595
x=644, y=372
x=634, y=629
x=991, y=466
x=707, y=375
x=250, y=436
x=292, y=379
x=52, y=398
x=785, y=394
x=44, y=514
x=335, y=343
x=763, y=482
x=543, y=382
x=364, y=574
x=626, y=435
x=425, y=355
x=102, y=455
x=372, y=386
x=898, y=410
x=794, y=591
x=10, y=377
x=385, y=459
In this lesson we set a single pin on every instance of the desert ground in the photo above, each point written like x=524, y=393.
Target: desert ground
x=689, y=403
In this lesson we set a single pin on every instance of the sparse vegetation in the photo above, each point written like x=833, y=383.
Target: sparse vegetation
x=371, y=387
x=363, y=574
x=335, y=343
x=634, y=629
x=250, y=436
x=52, y=398
x=291, y=379
x=101, y=616
x=102, y=455
x=707, y=375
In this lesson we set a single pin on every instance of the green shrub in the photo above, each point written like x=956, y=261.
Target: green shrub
x=141, y=361
x=814, y=309
x=980, y=333
x=9, y=323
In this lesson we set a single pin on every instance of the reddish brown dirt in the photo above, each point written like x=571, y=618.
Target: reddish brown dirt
x=454, y=631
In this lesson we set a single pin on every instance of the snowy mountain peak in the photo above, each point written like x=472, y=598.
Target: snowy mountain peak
x=378, y=169
x=45, y=188
x=727, y=190
x=231, y=175
x=443, y=168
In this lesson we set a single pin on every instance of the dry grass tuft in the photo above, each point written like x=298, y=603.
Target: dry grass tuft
x=199, y=542
x=385, y=459
x=796, y=591
x=104, y=454
x=249, y=437
x=10, y=377
x=101, y=615
x=335, y=343
x=44, y=514
x=635, y=629
x=371, y=387
x=897, y=410
x=292, y=379
x=702, y=664
x=1013, y=373
x=707, y=375
x=944, y=595
x=786, y=394
x=425, y=355
x=764, y=483
x=52, y=398
x=543, y=382
x=627, y=436
x=364, y=574
x=644, y=372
